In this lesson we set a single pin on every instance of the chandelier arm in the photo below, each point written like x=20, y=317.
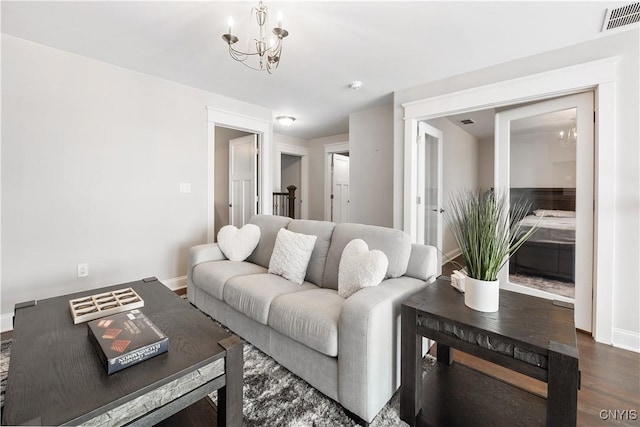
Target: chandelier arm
x=268, y=55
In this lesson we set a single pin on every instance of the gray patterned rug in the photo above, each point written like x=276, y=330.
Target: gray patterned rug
x=558, y=287
x=273, y=396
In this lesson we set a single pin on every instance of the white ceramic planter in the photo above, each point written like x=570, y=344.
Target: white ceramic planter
x=481, y=295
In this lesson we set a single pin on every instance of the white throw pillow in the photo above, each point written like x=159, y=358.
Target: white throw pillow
x=236, y=244
x=291, y=255
x=360, y=268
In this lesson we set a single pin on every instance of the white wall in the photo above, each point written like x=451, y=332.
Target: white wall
x=221, y=186
x=92, y=159
x=371, y=166
x=626, y=46
x=459, y=170
x=317, y=172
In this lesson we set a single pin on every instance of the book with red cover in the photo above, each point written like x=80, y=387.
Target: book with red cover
x=124, y=339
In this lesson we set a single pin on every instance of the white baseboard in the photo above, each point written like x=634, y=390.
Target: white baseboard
x=175, y=283
x=627, y=340
x=451, y=255
x=6, y=322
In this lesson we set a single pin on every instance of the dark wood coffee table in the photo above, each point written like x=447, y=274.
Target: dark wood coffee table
x=56, y=378
x=533, y=336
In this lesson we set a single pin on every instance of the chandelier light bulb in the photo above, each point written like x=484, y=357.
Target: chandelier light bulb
x=230, y=22
x=279, y=19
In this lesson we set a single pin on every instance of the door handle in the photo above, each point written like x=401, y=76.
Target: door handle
x=438, y=210
x=230, y=205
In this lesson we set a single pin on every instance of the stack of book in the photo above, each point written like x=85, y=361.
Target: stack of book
x=124, y=339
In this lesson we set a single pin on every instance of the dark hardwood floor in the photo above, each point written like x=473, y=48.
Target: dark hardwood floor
x=610, y=382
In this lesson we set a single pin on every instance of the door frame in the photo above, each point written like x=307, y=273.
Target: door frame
x=303, y=153
x=599, y=76
x=264, y=130
x=337, y=147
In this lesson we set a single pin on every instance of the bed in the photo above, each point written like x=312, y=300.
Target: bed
x=550, y=251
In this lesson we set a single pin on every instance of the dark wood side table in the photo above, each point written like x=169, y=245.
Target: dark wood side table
x=56, y=378
x=533, y=336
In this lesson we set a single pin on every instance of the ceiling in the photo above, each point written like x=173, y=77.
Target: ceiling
x=388, y=45
x=483, y=126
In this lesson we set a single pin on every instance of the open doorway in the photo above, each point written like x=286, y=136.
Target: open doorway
x=291, y=175
x=542, y=151
x=336, y=188
x=222, y=182
x=339, y=199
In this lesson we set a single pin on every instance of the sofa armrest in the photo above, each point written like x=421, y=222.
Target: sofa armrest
x=369, y=345
x=423, y=262
x=197, y=255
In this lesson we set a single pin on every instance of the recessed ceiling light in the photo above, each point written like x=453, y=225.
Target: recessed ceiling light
x=285, y=121
x=355, y=85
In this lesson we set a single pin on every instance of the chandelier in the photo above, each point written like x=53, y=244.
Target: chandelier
x=261, y=54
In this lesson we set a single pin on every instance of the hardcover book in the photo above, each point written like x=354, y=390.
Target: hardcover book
x=124, y=339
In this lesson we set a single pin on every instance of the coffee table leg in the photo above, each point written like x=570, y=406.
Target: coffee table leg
x=230, y=396
x=410, y=367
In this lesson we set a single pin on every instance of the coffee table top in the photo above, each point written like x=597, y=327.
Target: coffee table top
x=530, y=320
x=55, y=376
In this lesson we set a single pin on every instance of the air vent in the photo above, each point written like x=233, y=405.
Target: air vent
x=467, y=121
x=621, y=16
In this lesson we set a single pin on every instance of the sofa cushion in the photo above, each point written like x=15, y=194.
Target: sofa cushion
x=269, y=227
x=395, y=244
x=291, y=255
x=323, y=230
x=237, y=244
x=360, y=268
x=252, y=295
x=309, y=317
x=212, y=276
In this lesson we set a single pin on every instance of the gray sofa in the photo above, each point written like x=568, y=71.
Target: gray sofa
x=349, y=349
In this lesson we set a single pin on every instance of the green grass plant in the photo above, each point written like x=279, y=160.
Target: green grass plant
x=487, y=229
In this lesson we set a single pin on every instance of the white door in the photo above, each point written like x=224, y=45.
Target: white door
x=556, y=155
x=340, y=188
x=243, y=166
x=429, y=199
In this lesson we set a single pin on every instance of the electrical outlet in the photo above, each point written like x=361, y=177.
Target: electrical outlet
x=83, y=270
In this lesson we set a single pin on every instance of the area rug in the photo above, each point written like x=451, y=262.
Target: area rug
x=558, y=287
x=273, y=396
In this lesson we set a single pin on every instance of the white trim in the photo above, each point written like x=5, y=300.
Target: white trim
x=6, y=322
x=451, y=255
x=627, y=340
x=264, y=129
x=303, y=153
x=176, y=283
x=509, y=92
x=293, y=150
x=336, y=147
x=599, y=75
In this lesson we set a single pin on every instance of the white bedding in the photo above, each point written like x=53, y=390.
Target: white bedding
x=550, y=229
